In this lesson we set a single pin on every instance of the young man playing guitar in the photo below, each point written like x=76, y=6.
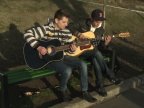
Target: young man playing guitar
x=56, y=29
x=94, y=24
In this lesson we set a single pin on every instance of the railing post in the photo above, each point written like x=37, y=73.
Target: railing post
x=113, y=60
x=104, y=10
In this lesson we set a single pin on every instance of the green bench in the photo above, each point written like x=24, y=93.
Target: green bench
x=19, y=76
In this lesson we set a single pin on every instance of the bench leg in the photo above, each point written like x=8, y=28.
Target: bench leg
x=4, y=92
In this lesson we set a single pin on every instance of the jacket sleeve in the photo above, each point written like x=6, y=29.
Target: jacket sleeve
x=100, y=34
x=33, y=34
x=75, y=28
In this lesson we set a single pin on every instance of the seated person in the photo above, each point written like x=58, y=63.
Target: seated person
x=56, y=29
x=94, y=24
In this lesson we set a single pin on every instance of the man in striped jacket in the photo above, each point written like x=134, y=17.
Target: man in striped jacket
x=56, y=29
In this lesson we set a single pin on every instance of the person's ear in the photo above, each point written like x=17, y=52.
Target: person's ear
x=56, y=20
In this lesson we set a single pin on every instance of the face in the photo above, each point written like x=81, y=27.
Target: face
x=62, y=23
x=97, y=24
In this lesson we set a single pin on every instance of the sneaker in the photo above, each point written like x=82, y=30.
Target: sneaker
x=101, y=91
x=65, y=96
x=116, y=81
x=88, y=97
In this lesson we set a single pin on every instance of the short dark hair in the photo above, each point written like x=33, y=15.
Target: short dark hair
x=61, y=13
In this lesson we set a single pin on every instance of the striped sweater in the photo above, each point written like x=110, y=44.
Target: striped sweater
x=48, y=31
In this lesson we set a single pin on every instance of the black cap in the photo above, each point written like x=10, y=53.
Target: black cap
x=97, y=15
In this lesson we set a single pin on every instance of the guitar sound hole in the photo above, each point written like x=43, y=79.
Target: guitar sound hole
x=51, y=50
x=85, y=47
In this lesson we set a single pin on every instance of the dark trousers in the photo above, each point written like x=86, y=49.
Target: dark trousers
x=99, y=64
x=64, y=68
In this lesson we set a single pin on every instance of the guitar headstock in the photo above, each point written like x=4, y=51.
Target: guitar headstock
x=124, y=34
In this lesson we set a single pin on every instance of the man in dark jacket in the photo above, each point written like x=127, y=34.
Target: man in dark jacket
x=94, y=24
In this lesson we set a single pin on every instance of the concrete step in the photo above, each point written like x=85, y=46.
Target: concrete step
x=111, y=90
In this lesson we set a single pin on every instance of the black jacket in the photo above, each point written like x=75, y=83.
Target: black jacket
x=84, y=26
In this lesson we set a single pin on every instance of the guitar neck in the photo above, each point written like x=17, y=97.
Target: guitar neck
x=67, y=47
x=91, y=39
x=122, y=35
x=62, y=48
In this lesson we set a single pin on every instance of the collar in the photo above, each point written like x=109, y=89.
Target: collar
x=53, y=26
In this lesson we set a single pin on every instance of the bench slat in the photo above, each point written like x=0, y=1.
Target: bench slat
x=19, y=75
x=28, y=77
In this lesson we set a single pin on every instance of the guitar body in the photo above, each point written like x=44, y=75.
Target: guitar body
x=90, y=35
x=34, y=61
x=82, y=49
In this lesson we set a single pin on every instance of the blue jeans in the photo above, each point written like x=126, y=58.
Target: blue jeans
x=99, y=65
x=64, y=68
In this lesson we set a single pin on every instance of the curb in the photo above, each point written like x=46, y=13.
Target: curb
x=111, y=91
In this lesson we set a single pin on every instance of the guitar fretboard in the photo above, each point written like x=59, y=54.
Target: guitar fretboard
x=66, y=47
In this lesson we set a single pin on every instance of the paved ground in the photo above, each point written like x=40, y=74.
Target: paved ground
x=133, y=98
x=127, y=96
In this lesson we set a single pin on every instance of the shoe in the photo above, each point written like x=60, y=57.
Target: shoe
x=88, y=97
x=101, y=91
x=65, y=96
x=116, y=81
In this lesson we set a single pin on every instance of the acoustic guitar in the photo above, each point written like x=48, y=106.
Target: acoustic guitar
x=56, y=51
x=91, y=41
